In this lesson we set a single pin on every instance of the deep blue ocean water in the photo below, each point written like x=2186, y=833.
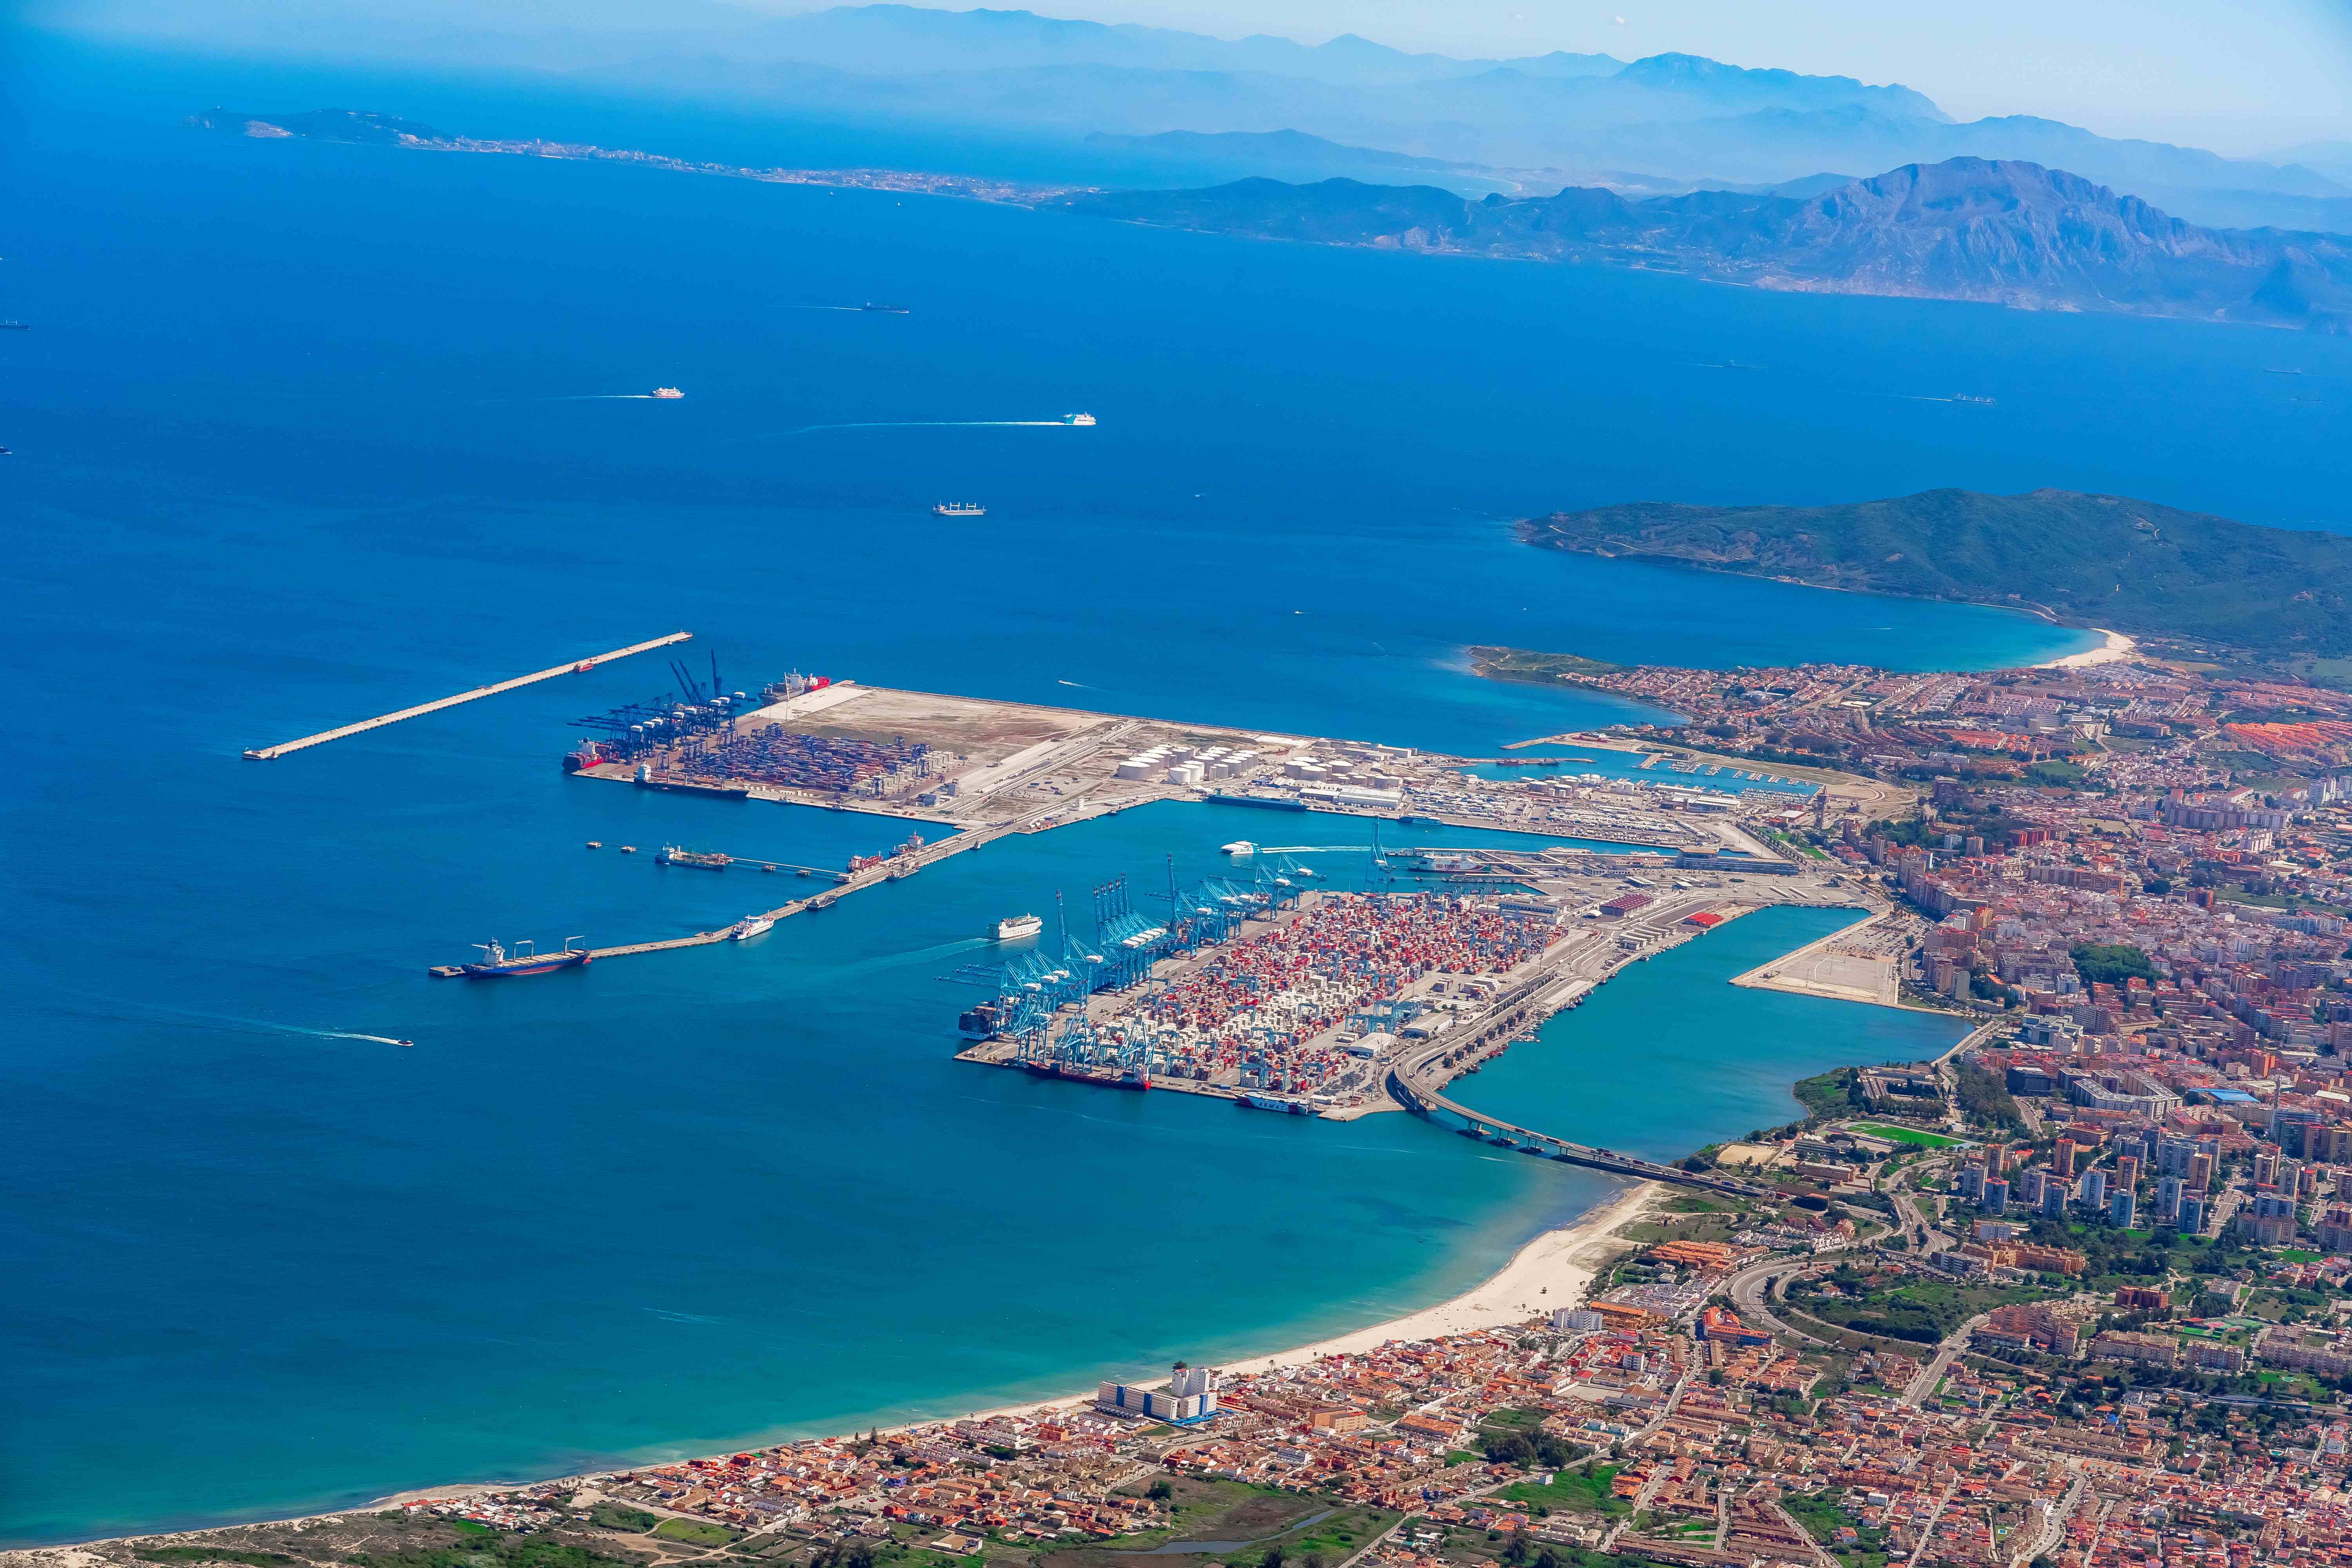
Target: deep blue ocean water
x=289, y=451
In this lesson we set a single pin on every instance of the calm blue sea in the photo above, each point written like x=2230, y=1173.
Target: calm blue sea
x=303, y=433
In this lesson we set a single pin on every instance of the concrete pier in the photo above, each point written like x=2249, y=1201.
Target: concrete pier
x=577, y=667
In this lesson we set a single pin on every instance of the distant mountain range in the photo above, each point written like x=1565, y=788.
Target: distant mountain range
x=1667, y=120
x=2001, y=232
x=2084, y=560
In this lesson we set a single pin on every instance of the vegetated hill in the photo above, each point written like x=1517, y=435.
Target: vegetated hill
x=2004, y=233
x=2085, y=560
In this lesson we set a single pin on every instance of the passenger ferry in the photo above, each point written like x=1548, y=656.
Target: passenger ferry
x=751, y=926
x=1078, y=419
x=667, y=393
x=1019, y=926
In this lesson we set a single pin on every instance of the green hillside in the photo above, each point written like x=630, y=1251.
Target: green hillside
x=2084, y=560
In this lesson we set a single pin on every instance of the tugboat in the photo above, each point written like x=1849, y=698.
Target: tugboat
x=497, y=964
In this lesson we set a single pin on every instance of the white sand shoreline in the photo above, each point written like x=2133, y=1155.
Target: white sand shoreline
x=2117, y=646
x=1551, y=1270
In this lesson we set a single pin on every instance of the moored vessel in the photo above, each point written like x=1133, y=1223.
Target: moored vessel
x=496, y=962
x=751, y=926
x=671, y=855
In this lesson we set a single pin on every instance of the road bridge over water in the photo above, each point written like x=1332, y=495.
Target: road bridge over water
x=1417, y=1080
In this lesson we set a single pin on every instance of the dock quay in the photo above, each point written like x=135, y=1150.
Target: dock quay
x=968, y=761
x=988, y=768
x=576, y=667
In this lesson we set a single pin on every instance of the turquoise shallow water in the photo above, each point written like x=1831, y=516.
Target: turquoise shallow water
x=285, y=457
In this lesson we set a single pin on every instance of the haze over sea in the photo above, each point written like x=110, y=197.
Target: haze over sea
x=289, y=452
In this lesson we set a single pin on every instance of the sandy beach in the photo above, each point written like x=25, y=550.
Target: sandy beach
x=1552, y=1270
x=2117, y=646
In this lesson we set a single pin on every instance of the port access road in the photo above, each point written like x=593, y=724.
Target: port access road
x=577, y=667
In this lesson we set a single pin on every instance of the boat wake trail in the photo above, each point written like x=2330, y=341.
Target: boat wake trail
x=130, y=1012
x=935, y=424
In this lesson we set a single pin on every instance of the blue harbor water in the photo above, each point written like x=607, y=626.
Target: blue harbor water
x=304, y=434
x=1591, y=1073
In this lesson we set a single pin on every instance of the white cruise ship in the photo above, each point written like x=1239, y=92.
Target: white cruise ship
x=1017, y=927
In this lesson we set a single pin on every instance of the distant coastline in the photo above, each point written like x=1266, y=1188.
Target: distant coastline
x=2003, y=233
x=358, y=128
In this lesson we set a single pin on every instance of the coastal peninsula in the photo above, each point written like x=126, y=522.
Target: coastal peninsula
x=2197, y=583
x=1997, y=232
x=359, y=127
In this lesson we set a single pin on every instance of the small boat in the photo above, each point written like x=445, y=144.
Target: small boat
x=666, y=394
x=1019, y=926
x=595, y=844
x=404, y=1042
x=883, y=310
x=628, y=849
x=751, y=926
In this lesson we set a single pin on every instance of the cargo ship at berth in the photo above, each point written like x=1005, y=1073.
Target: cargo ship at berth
x=671, y=855
x=959, y=509
x=1101, y=1077
x=497, y=964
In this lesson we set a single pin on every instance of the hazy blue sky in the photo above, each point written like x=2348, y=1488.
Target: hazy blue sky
x=2235, y=76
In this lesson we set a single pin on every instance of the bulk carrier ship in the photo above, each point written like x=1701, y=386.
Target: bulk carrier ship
x=496, y=963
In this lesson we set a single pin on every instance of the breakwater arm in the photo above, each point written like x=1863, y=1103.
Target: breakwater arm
x=577, y=667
